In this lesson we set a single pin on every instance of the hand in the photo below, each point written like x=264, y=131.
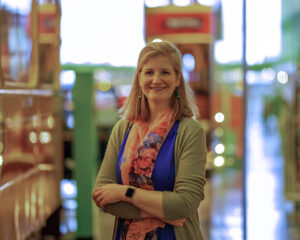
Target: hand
x=109, y=193
x=176, y=223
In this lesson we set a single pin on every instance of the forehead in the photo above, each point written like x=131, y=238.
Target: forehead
x=160, y=61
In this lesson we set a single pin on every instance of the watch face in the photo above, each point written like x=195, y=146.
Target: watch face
x=129, y=192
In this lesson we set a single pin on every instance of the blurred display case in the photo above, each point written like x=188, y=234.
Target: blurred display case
x=19, y=44
x=49, y=14
x=31, y=121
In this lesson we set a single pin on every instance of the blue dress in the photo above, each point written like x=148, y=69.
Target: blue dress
x=163, y=177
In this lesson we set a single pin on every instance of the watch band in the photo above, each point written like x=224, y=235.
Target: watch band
x=129, y=192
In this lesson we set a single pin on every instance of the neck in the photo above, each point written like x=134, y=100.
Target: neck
x=156, y=109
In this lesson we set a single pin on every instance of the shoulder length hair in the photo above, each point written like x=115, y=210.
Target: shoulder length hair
x=136, y=106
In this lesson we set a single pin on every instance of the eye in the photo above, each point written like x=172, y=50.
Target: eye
x=165, y=72
x=148, y=72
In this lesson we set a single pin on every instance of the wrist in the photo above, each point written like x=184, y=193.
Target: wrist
x=129, y=193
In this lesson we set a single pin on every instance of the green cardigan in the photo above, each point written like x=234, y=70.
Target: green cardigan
x=190, y=159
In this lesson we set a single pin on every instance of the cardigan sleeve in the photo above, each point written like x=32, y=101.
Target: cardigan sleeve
x=188, y=191
x=108, y=172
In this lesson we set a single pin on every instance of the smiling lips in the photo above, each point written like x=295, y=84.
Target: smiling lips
x=157, y=88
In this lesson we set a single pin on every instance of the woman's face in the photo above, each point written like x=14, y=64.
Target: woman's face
x=158, y=79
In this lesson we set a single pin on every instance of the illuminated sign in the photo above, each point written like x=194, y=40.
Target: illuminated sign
x=177, y=23
x=190, y=24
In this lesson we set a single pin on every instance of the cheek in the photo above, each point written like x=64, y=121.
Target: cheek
x=144, y=83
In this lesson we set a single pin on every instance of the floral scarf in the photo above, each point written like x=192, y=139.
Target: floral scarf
x=142, y=147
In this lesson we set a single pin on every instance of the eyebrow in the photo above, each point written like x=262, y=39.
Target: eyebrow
x=166, y=68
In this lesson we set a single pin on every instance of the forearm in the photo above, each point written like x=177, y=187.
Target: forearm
x=115, y=194
x=148, y=201
x=182, y=202
x=123, y=210
x=117, y=207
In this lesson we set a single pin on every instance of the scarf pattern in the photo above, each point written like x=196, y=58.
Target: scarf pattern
x=142, y=147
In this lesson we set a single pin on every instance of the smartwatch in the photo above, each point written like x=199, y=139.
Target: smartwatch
x=129, y=192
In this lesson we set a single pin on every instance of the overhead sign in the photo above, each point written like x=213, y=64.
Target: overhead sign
x=179, y=24
x=157, y=24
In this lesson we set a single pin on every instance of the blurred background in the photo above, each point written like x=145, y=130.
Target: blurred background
x=66, y=69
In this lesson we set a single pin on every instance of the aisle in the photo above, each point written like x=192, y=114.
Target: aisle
x=267, y=208
x=226, y=215
x=269, y=215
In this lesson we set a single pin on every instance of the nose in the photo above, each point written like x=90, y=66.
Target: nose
x=156, y=78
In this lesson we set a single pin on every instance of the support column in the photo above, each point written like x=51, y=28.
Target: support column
x=85, y=151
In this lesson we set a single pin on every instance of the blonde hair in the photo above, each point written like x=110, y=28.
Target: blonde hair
x=137, y=107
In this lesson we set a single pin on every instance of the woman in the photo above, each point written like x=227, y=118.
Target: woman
x=153, y=173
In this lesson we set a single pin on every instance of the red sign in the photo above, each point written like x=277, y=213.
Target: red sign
x=172, y=23
x=47, y=23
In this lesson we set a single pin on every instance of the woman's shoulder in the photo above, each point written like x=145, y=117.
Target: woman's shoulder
x=189, y=123
x=121, y=126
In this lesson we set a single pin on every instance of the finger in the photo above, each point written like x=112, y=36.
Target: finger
x=97, y=192
x=172, y=222
x=99, y=198
x=177, y=224
x=95, y=196
x=102, y=203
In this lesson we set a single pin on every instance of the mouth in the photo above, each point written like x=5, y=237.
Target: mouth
x=157, y=88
